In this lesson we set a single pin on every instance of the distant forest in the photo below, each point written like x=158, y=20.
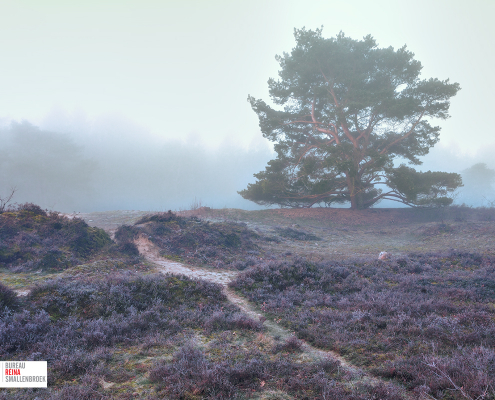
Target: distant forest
x=119, y=168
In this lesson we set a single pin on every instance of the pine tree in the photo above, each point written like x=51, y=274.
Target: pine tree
x=346, y=110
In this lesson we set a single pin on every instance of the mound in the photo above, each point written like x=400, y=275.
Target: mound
x=31, y=238
x=224, y=245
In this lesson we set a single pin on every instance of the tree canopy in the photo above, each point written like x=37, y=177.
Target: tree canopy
x=345, y=109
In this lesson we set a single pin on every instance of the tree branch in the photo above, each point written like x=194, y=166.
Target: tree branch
x=404, y=136
x=4, y=201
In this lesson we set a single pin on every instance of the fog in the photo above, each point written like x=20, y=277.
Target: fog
x=477, y=169
x=112, y=164
x=72, y=163
x=143, y=106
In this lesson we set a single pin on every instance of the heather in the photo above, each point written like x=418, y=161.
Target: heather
x=221, y=372
x=294, y=234
x=34, y=239
x=156, y=336
x=121, y=309
x=196, y=241
x=424, y=320
x=8, y=299
x=419, y=325
x=80, y=326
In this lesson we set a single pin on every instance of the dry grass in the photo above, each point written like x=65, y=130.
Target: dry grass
x=346, y=233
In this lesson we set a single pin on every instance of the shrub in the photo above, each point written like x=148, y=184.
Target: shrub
x=8, y=299
x=223, y=321
x=294, y=234
x=191, y=373
x=126, y=233
x=85, y=240
x=129, y=249
x=161, y=217
x=32, y=208
x=466, y=373
x=20, y=330
x=291, y=344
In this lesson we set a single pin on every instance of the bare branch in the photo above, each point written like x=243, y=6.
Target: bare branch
x=443, y=374
x=4, y=201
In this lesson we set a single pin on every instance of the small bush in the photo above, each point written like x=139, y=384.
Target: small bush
x=32, y=208
x=223, y=321
x=129, y=249
x=294, y=234
x=291, y=344
x=8, y=299
x=126, y=233
x=161, y=217
x=22, y=330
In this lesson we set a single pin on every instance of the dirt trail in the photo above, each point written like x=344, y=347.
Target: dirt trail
x=152, y=254
x=275, y=329
x=150, y=251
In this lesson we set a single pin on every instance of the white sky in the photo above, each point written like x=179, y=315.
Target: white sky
x=184, y=68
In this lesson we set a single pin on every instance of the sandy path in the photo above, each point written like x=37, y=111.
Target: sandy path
x=150, y=251
x=152, y=254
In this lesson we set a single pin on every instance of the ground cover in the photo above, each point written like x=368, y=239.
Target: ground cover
x=79, y=325
x=346, y=233
x=426, y=341
x=156, y=336
x=32, y=239
x=195, y=241
x=425, y=321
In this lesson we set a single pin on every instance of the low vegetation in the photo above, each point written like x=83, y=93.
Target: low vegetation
x=80, y=326
x=241, y=374
x=425, y=321
x=423, y=324
x=195, y=241
x=157, y=336
x=295, y=234
x=33, y=239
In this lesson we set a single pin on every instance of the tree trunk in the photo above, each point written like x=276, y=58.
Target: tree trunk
x=351, y=184
x=357, y=199
x=354, y=204
x=354, y=181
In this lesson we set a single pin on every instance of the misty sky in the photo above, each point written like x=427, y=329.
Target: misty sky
x=178, y=73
